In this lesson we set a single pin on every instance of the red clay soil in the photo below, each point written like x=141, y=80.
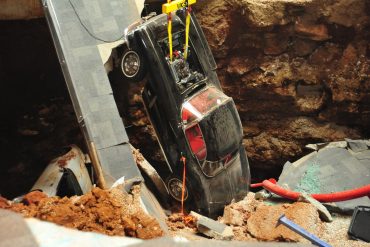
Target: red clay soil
x=34, y=197
x=177, y=221
x=253, y=220
x=110, y=212
x=262, y=224
x=4, y=203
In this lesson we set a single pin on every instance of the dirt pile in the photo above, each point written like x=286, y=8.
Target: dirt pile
x=110, y=212
x=262, y=224
x=177, y=221
x=256, y=220
x=297, y=70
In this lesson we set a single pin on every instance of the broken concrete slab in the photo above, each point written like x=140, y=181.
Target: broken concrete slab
x=357, y=145
x=329, y=170
x=323, y=211
x=212, y=228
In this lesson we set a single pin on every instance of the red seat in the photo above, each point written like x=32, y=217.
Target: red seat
x=196, y=141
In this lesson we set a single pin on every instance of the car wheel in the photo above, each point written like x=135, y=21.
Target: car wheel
x=174, y=185
x=132, y=65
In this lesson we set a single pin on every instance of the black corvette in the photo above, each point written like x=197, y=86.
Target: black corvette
x=191, y=115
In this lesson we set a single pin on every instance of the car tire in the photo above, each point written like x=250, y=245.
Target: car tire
x=174, y=186
x=132, y=65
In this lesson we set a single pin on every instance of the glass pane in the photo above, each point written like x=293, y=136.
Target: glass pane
x=202, y=103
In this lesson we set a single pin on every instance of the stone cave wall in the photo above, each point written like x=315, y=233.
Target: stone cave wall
x=298, y=71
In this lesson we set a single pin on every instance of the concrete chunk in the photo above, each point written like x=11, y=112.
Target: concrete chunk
x=212, y=228
x=323, y=212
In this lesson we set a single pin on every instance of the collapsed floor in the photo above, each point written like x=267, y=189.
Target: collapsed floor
x=119, y=214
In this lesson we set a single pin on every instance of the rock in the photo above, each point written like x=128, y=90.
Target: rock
x=275, y=44
x=348, y=13
x=233, y=216
x=317, y=32
x=212, y=228
x=237, y=214
x=323, y=212
x=310, y=98
x=212, y=16
x=264, y=13
x=325, y=55
x=239, y=66
x=263, y=222
x=249, y=40
x=304, y=47
x=349, y=56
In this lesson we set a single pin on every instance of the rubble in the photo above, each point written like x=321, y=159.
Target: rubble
x=212, y=228
x=112, y=212
x=260, y=218
x=237, y=214
x=262, y=223
x=176, y=221
x=323, y=212
x=34, y=197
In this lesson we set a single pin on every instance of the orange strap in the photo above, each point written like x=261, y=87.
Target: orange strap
x=183, y=159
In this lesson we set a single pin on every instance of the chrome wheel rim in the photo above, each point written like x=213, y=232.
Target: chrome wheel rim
x=175, y=189
x=130, y=64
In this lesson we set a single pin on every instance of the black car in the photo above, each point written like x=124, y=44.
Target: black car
x=191, y=115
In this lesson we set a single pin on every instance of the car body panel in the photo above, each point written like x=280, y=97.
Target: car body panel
x=74, y=161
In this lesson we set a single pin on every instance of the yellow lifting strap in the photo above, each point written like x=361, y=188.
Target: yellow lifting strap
x=169, y=20
x=186, y=48
x=173, y=6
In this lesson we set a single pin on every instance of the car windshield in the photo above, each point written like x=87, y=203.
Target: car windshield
x=212, y=125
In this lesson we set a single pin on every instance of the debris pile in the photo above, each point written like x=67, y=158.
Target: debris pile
x=112, y=212
x=257, y=220
x=177, y=221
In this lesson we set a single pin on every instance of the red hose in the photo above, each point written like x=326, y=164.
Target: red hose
x=330, y=197
x=272, y=180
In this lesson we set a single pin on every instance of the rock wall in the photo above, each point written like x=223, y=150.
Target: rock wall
x=20, y=9
x=298, y=71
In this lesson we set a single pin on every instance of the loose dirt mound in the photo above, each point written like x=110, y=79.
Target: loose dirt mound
x=256, y=220
x=177, y=221
x=263, y=222
x=110, y=212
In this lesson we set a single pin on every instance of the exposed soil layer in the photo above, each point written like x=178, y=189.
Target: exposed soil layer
x=297, y=70
x=110, y=212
